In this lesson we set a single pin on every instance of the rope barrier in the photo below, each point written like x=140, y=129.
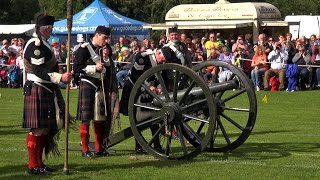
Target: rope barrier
x=308, y=65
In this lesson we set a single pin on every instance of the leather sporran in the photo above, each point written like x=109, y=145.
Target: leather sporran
x=99, y=111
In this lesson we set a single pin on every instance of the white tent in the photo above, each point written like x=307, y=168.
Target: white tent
x=17, y=29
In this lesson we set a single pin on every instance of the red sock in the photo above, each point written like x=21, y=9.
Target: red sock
x=42, y=143
x=99, y=130
x=84, y=134
x=32, y=147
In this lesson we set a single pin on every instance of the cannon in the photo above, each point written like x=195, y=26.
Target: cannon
x=191, y=115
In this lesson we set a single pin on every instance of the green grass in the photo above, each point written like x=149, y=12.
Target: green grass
x=284, y=145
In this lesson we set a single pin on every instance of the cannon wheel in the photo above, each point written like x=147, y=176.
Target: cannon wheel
x=170, y=113
x=237, y=109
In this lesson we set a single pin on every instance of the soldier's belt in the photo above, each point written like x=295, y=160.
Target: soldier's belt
x=34, y=78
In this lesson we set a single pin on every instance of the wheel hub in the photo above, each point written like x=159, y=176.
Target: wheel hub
x=171, y=112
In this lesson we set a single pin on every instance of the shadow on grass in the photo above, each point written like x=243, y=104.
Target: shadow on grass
x=19, y=172
x=12, y=131
x=259, y=151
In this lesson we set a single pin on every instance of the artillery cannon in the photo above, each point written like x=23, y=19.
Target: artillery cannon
x=190, y=110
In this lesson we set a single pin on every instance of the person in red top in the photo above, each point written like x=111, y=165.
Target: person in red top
x=12, y=58
x=259, y=66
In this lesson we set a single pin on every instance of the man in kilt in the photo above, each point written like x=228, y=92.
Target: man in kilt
x=95, y=78
x=179, y=48
x=43, y=102
x=144, y=61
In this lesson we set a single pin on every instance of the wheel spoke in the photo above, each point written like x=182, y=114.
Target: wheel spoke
x=156, y=134
x=169, y=140
x=200, y=127
x=181, y=138
x=152, y=94
x=233, y=96
x=237, y=109
x=163, y=86
x=195, y=118
x=190, y=131
x=175, y=85
x=146, y=107
x=186, y=93
x=225, y=135
x=232, y=121
x=149, y=122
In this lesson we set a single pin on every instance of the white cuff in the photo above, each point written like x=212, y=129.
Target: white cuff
x=90, y=69
x=55, y=77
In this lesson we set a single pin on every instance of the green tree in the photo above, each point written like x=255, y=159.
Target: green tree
x=18, y=11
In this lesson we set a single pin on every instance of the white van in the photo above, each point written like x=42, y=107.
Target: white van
x=303, y=25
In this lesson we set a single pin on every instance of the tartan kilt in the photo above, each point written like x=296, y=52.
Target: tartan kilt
x=39, y=107
x=86, y=99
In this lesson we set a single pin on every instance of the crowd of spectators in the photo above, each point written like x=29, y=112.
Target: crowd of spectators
x=289, y=64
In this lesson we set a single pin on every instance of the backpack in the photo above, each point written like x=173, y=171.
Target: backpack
x=13, y=74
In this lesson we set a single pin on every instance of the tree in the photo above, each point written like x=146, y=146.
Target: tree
x=18, y=11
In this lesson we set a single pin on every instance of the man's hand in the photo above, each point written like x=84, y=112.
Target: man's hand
x=66, y=77
x=99, y=67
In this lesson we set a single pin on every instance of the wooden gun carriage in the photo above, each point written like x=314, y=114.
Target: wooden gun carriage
x=192, y=115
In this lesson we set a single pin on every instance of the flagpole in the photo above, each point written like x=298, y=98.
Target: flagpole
x=69, y=25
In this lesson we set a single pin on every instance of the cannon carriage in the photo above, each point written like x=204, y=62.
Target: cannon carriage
x=192, y=115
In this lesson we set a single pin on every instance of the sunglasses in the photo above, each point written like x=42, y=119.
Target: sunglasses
x=239, y=39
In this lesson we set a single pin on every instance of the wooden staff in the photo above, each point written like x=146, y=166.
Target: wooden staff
x=69, y=25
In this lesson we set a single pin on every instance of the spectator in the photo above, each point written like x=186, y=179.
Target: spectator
x=183, y=37
x=290, y=48
x=239, y=43
x=3, y=59
x=15, y=47
x=162, y=41
x=278, y=59
x=125, y=66
x=5, y=47
x=20, y=64
x=21, y=43
x=262, y=42
x=224, y=73
x=12, y=58
x=212, y=43
x=259, y=66
x=302, y=58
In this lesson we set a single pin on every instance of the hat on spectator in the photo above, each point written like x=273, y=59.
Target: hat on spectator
x=44, y=20
x=102, y=30
x=80, y=38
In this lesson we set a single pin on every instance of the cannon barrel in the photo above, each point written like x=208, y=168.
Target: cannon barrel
x=197, y=91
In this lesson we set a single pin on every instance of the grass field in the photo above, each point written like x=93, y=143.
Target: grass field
x=284, y=145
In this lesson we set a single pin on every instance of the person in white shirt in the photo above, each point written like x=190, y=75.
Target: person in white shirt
x=278, y=58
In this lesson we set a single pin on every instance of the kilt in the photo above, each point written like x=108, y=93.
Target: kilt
x=86, y=99
x=39, y=107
